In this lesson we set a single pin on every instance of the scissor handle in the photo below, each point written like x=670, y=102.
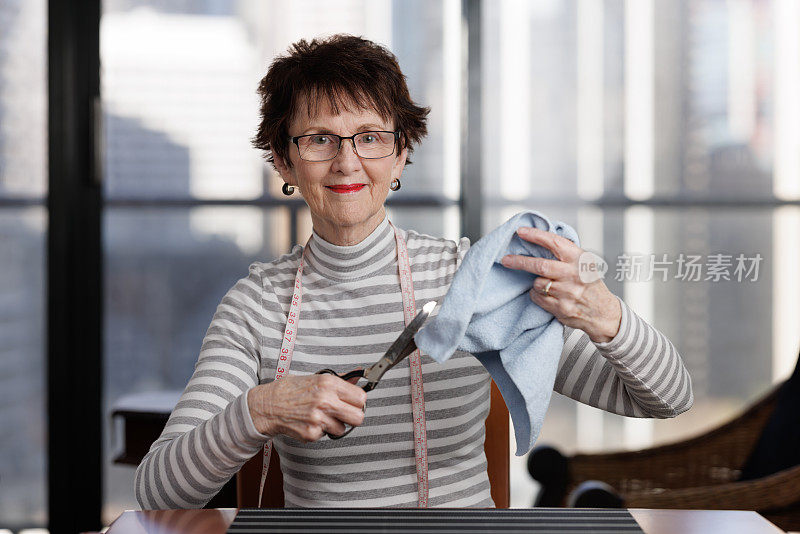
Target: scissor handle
x=359, y=373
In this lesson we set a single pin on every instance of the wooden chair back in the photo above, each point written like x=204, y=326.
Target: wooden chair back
x=496, y=448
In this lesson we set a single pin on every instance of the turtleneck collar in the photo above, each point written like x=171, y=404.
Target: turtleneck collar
x=354, y=261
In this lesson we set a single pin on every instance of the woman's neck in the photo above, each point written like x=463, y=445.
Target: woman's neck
x=346, y=236
x=349, y=262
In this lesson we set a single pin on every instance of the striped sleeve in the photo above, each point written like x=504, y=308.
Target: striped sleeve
x=210, y=433
x=639, y=373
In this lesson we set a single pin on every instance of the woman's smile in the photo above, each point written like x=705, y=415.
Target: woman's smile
x=345, y=189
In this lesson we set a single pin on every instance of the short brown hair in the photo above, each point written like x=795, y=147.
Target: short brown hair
x=347, y=71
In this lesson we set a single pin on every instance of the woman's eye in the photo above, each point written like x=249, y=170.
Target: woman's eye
x=320, y=139
x=368, y=138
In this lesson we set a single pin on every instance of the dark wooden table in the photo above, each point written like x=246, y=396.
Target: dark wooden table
x=652, y=522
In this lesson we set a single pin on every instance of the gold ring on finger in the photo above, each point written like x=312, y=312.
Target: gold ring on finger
x=547, y=287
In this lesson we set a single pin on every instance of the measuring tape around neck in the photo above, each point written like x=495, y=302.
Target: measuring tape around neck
x=415, y=367
x=414, y=363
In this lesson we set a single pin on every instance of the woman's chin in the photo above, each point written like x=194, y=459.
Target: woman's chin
x=355, y=221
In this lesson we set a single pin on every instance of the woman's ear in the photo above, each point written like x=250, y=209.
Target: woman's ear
x=399, y=164
x=283, y=170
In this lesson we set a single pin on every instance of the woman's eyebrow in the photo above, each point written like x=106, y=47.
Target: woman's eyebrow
x=370, y=126
x=361, y=128
x=318, y=129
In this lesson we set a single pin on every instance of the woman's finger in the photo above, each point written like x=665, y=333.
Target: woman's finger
x=347, y=413
x=561, y=247
x=342, y=389
x=351, y=394
x=546, y=302
x=333, y=426
x=541, y=284
x=552, y=269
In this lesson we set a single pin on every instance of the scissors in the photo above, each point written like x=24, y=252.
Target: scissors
x=402, y=347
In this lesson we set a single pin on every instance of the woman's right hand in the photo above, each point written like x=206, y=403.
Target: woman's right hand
x=305, y=407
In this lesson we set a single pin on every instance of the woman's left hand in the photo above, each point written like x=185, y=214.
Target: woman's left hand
x=591, y=307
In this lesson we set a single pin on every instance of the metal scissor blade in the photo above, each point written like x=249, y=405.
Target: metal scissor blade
x=398, y=349
x=402, y=347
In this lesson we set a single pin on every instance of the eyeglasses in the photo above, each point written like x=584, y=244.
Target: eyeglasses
x=367, y=145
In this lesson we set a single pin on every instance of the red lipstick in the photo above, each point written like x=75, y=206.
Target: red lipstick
x=349, y=188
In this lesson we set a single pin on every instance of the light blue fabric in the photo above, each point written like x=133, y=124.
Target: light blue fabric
x=487, y=311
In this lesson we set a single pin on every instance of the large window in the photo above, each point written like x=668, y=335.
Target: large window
x=660, y=130
x=23, y=227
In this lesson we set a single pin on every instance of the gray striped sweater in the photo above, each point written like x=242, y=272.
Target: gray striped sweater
x=351, y=312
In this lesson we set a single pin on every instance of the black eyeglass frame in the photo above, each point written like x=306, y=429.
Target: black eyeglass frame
x=295, y=140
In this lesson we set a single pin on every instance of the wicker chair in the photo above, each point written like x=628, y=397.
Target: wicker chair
x=698, y=473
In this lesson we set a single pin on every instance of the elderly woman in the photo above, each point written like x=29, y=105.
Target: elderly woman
x=338, y=124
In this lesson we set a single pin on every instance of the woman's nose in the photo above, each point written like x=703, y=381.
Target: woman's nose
x=347, y=161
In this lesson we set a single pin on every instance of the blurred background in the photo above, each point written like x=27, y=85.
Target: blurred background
x=654, y=127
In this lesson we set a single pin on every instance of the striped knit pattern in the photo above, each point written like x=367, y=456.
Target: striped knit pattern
x=351, y=312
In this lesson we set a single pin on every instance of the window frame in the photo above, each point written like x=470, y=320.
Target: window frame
x=74, y=269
